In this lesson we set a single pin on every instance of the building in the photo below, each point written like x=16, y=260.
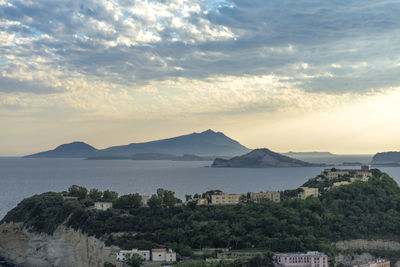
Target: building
x=70, y=198
x=376, y=263
x=201, y=201
x=145, y=199
x=123, y=254
x=163, y=255
x=225, y=199
x=102, y=205
x=308, y=192
x=362, y=174
x=267, y=196
x=309, y=259
x=340, y=183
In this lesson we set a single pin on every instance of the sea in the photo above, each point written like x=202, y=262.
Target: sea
x=23, y=177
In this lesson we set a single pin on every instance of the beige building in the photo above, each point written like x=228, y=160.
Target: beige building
x=307, y=192
x=198, y=201
x=145, y=199
x=102, y=205
x=202, y=201
x=225, y=199
x=340, y=183
x=362, y=174
x=163, y=255
x=267, y=196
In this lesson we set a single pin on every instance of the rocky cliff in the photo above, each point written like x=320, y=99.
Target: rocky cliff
x=65, y=248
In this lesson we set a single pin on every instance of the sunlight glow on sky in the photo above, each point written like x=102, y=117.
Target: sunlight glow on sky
x=301, y=75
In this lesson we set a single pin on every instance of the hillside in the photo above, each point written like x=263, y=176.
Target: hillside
x=391, y=158
x=362, y=210
x=71, y=150
x=207, y=143
x=261, y=158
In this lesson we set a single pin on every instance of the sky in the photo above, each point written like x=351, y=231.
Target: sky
x=298, y=75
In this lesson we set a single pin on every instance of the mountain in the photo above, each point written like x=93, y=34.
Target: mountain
x=71, y=150
x=195, y=146
x=261, y=158
x=391, y=158
x=207, y=143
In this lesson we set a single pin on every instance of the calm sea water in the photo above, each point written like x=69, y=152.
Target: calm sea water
x=21, y=178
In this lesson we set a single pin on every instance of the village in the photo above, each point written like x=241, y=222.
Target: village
x=166, y=256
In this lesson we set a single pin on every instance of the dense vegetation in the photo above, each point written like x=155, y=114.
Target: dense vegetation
x=359, y=210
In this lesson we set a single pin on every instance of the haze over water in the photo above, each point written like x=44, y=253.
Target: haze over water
x=21, y=178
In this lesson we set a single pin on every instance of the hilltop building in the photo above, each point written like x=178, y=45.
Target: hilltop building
x=307, y=192
x=198, y=201
x=163, y=255
x=145, y=199
x=267, y=196
x=309, y=259
x=123, y=254
x=362, y=174
x=102, y=205
x=202, y=201
x=225, y=199
x=340, y=183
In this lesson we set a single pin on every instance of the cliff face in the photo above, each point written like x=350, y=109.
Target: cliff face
x=65, y=248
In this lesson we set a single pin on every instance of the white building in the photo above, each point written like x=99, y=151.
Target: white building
x=102, y=205
x=123, y=254
x=163, y=255
x=309, y=259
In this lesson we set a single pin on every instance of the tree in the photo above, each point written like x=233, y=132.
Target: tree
x=128, y=201
x=78, y=191
x=155, y=202
x=168, y=197
x=95, y=194
x=110, y=196
x=188, y=197
x=134, y=260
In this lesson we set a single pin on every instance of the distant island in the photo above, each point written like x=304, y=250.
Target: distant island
x=391, y=158
x=154, y=156
x=309, y=154
x=262, y=158
x=196, y=146
x=71, y=150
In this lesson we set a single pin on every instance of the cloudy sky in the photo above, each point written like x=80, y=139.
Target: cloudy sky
x=300, y=75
